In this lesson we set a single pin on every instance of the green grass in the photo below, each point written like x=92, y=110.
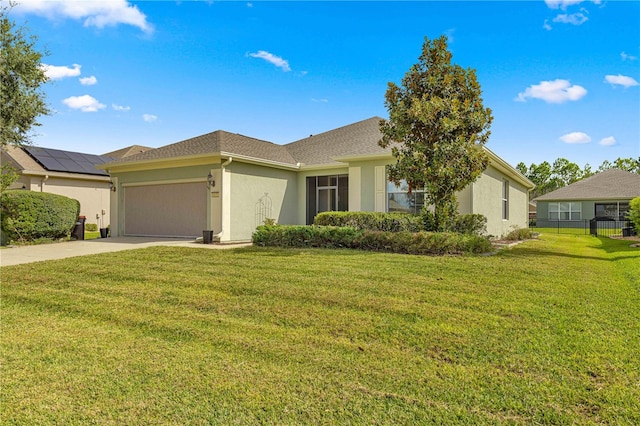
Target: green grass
x=573, y=231
x=547, y=332
x=91, y=235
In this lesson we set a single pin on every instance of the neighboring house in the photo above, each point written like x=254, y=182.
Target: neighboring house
x=72, y=174
x=230, y=183
x=604, y=195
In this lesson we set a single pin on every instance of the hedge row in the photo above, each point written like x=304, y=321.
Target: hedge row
x=475, y=224
x=385, y=241
x=28, y=215
x=372, y=221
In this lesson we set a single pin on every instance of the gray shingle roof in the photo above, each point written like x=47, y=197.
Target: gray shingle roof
x=216, y=142
x=359, y=138
x=608, y=185
x=127, y=151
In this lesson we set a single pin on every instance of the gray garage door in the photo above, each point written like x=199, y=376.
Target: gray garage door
x=172, y=210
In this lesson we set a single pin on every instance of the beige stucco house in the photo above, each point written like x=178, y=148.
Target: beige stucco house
x=230, y=183
x=67, y=173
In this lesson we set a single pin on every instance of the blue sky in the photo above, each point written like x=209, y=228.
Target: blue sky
x=561, y=76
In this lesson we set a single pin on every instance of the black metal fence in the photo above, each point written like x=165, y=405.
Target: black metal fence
x=611, y=228
x=598, y=227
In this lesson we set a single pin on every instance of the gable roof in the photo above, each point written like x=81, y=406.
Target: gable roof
x=612, y=184
x=335, y=147
x=127, y=151
x=40, y=161
x=357, y=139
x=216, y=143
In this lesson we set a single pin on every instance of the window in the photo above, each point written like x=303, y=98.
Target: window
x=326, y=193
x=614, y=210
x=505, y=200
x=400, y=201
x=565, y=211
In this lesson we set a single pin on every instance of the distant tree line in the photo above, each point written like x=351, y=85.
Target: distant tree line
x=549, y=177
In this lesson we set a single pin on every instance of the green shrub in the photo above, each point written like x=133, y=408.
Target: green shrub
x=29, y=216
x=373, y=221
x=472, y=224
x=386, y=241
x=519, y=234
x=423, y=242
x=304, y=236
x=91, y=227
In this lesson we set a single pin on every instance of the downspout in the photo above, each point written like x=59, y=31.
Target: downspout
x=46, y=177
x=222, y=167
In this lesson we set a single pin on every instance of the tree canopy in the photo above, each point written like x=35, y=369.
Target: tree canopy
x=21, y=77
x=437, y=128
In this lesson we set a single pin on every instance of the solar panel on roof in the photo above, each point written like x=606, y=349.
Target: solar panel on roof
x=57, y=160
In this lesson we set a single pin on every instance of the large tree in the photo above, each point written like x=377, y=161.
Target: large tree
x=21, y=77
x=437, y=128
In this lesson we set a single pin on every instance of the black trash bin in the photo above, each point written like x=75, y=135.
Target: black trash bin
x=207, y=237
x=78, y=230
x=104, y=232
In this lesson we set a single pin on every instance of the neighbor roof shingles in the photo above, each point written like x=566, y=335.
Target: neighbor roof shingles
x=608, y=185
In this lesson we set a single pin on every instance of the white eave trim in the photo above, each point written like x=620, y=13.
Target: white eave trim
x=508, y=169
x=63, y=175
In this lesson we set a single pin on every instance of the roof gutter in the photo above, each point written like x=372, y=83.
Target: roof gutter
x=223, y=166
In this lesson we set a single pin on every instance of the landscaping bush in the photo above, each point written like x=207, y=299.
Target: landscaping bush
x=423, y=242
x=91, y=227
x=373, y=221
x=519, y=234
x=350, y=237
x=472, y=224
x=304, y=236
x=29, y=216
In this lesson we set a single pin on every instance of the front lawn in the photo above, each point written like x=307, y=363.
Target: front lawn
x=546, y=332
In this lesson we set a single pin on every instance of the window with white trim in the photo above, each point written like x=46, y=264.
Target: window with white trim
x=505, y=200
x=399, y=200
x=565, y=211
x=612, y=210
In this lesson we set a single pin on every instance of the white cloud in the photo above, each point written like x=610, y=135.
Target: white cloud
x=59, y=72
x=546, y=25
x=564, y=4
x=84, y=103
x=621, y=80
x=319, y=100
x=626, y=57
x=88, y=81
x=608, y=141
x=149, y=118
x=573, y=19
x=575, y=137
x=553, y=92
x=561, y=4
x=249, y=5
x=98, y=14
x=272, y=59
x=120, y=107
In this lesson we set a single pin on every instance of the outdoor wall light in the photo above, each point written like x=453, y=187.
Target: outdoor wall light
x=210, y=182
x=112, y=187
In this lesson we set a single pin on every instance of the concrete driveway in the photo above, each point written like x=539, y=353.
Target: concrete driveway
x=28, y=254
